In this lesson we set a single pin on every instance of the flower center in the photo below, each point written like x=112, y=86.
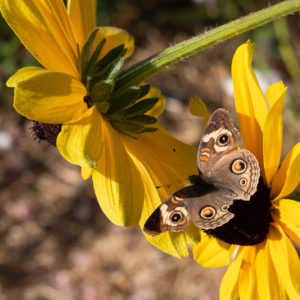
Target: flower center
x=46, y=132
x=251, y=221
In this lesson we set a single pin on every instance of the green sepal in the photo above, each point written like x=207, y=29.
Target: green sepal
x=145, y=119
x=93, y=60
x=128, y=126
x=109, y=66
x=131, y=95
x=141, y=107
x=100, y=94
x=83, y=58
x=295, y=195
x=149, y=129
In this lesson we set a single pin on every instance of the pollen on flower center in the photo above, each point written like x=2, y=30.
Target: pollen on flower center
x=251, y=221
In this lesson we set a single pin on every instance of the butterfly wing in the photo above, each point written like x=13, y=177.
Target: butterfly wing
x=219, y=137
x=236, y=174
x=171, y=215
x=207, y=210
x=211, y=210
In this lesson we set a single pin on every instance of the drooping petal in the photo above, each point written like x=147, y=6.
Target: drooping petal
x=173, y=243
x=198, y=108
x=288, y=176
x=114, y=37
x=86, y=172
x=83, y=18
x=287, y=214
x=81, y=143
x=269, y=286
x=154, y=157
x=211, y=252
x=229, y=289
x=250, y=103
x=49, y=97
x=247, y=278
x=285, y=260
x=117, y=182
x=44, y=29
x=159, y=107
x=272, y=133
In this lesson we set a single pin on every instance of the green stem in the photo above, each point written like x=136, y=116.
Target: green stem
x=144, y=69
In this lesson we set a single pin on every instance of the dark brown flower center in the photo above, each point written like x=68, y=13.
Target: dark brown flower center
x=46, y=132
x=251, y=221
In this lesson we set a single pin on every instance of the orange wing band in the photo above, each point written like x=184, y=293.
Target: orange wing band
x=203, y=158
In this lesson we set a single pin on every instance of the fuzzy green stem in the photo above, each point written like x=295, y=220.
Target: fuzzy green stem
x=144, y=69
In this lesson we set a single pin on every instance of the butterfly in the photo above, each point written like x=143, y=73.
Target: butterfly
x=226, y=175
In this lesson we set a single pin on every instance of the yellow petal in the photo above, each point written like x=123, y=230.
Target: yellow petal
x=272, y=137
x=49, y=97
x=247, y=278
x=193, y=234
x=269, y=285
x=166, y=163
x=114, y=37
x=198, y=108
x=287, y=214
x=83, y=19
x=81, y=143
x=152, y=154
x=285, y=260
x=86, y=172
x=159, y=107
x=211, y=252
x=229, y=285
x=117, y=182
x=287, y=178
x=250, y=103
x=44, y=29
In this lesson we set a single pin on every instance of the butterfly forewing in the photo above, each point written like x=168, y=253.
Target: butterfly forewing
x=219, y=137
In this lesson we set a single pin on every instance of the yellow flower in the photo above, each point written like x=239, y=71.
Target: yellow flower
x=269, y=269
x=126, y=168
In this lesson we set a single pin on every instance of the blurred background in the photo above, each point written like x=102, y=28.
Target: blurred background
x=55, y=243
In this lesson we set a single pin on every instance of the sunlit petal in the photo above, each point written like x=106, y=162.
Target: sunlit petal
x=272, y=138
x=117, y=182
x=44, y=29
x=268, y=285
x=114, y=37
x=198, y=108
x=81, y=142
x=83, y=18
x=86, y=172
x=229, y=289
x=160, y=181
x=159, y=107
x=49, y=97
x=285, y=260
x=287, y=178
x=287, y=214
x=250, y=103
x=211, y=252
x=247, y=278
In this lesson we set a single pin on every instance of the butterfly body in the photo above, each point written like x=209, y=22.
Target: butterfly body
x=225, y=175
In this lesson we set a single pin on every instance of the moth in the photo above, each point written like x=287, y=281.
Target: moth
x=225, y=175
